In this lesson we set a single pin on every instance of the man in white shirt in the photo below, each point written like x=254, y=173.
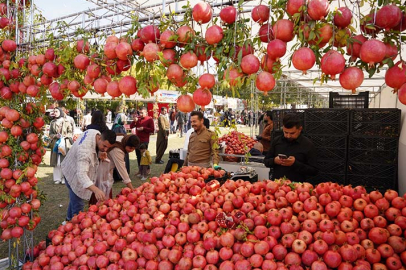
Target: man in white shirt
x=87, y=120
x=79, y=168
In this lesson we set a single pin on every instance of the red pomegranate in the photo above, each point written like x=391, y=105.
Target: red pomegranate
x=174, y=72
x=267, y=64
x=332, y=63
x=284, y=30
x=202, y=12
x=9, y=45
x=351, y=78
x=303, y=59
x=228, y=14
x=167, y=40
x=56, y=91
x=368, y=26
x=260, y=14
x=402, y=25
x=232, y=75
x=214, y=34
x=402, y=94
x=185, y=103
x=123, y=65
x=207, y=81
x=82, y=47
x=202, y=97
x=100, y=86
x=50, y=69
x=391, y=51
x=128, y=85
x=169, y=57
x=293, y=6
x=137, y=45
x=113, y=89
x=250, y=64
x=150, y=33
x=343, y=17
x=265, y=33
x=265, y=81
x=93, y=71
x=150, y=52
x=354, y=46
x=123, y=50
x=81, y=61
x=395, y=76
x=318, y=9
x=388, y=17
x=110, y=50
x=188, y=60
x=182, y=81
x=372, y=51
x=201, y=53
x=185, y=33
x=276, y=49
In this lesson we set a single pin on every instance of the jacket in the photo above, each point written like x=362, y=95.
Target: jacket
x=146, y=158
x=148, y=124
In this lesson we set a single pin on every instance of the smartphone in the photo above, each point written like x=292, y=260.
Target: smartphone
x=282, y=156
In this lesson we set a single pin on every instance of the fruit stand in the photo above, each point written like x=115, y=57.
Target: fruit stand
x=247, y=49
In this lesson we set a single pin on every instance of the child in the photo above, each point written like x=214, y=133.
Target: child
x=145, y=161
x=256, y=151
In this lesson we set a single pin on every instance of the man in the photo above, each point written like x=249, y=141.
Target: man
x=108, y=116
x=201, y=141
x=144, y=127
x=79, y=168
x=292, y=155
x=162, y=138
x=265, y=137
x=180, y=119
x=87, y=120
x=172, y=118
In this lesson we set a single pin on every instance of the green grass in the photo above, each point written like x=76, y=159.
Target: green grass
x=53, y=211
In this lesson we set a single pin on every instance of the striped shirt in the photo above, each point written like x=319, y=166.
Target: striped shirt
x=80, y=164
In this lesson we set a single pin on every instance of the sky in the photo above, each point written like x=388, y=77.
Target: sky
x=52, y=9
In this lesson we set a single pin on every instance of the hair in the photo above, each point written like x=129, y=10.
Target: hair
x=198, y=114
x=258, y=146
x=133, y=141
x=98, y=119
x=143, y=146
x=269, y=114
x=88, y=111
x=143, y=109
x=109, y=135
x=291, y=120
x=162, y=109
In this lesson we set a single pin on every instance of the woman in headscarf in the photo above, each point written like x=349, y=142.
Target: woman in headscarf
x=59, y=128
x=116, y=156
x=98, y=122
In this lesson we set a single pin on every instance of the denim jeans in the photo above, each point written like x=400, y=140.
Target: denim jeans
x=76, y=204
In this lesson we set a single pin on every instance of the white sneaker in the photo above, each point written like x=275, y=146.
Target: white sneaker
x=63, y=182
x=143, y=178
x=138, y=175
x=57, y=182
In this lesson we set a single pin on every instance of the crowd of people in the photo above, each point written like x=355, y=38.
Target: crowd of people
x=90, y=165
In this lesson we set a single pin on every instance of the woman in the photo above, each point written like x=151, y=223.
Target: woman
x=116, y=159
x=98, y=122
x=119, y=122
x=59, y=128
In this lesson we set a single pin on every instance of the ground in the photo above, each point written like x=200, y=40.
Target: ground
x=53, y=211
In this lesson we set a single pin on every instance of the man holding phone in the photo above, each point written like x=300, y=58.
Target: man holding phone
x=292, y=155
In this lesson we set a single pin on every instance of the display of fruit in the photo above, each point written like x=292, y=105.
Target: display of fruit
x=177, y=221
x=237, y=143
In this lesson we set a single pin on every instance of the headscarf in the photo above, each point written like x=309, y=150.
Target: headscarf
x=61, y=114
x=123, y=143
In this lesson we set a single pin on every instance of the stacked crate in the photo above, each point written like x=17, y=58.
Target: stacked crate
x=373, y=148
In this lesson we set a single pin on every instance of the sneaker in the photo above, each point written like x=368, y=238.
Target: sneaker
x=63, y=182
x=57, y=182
x=159, y=162
x=138, y=175
x=143, y=178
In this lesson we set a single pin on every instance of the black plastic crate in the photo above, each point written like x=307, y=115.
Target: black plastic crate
x=375, y=122
x=330, y=148
x=328, y=177
x=277, y=118
x=327, y=121
x=329, y=166
x=378, y=150
x=372, y=176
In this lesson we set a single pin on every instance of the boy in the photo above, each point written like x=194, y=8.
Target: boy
x=145, y=161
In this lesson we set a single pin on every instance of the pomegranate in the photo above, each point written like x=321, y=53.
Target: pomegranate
x=303, y=59
x=128, y=85
x=250, y=64
x=395, y=76
x=188, y=60
x=354, y=46
x=150, y=34
x=276, y=49
x=283, y=30
x=318, y=9
x=343, y=17
x=351, y=78
x=167, y=39
x=332, y=63
x=266, y=33
x=202, y=12
x=214, y=34
x=185, y=33
x=388, y=17
x=150, y=52
x=265, y=81
x=185, y=103
x=260, y=14
x=372, y=51
x=207, y=81
x=293, y=6
x=402, y=94
x=232, y=75
x=228, y=14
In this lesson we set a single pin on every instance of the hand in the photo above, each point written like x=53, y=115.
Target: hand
x=140, y=128
x=100, y=196
x=102, y=155
x=288, y=162
x=278, y=161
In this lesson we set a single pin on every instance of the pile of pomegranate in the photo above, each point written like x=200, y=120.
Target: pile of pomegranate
x=179, y=222
x=237, y=143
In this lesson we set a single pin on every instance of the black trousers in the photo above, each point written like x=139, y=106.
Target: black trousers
x=138, y=153
x=161, y=145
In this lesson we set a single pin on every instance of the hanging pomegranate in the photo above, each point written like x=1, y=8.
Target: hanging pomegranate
x=188, y=60
x=214, y=34
x=201, y=53
x=332, y=63
x=303, y=59
x=182, y=81
x=368, y=26
x=402, y=94
x=284, y=30
x=123, y=50
x=113, y=89
x=110, y=50
x=265, y=81
x=137, y=45
x=372, y=51
x=318, y=9
x=265, y=33
x=294, y=6
x=167, y=39
x=150, y=52
x=395, y=76
x=276, y=49
x=351, y=78
x=267, y=64
x=56, y=92
x=402, y=24
x=354, y=46
x=260, y=14
x=169, y=57
x=128, y=85
x=150, y=33
x=174, y=72
x=185, y=103
x=250, y=64
x=202, y=12
x=343, y=17
x=185, y=34
x=81, y=61
x=232, y=75
x=228, y=14
x=100, y=86
x=388, y=17
x=391, y=51
x=202, y=97
x=207, y=81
